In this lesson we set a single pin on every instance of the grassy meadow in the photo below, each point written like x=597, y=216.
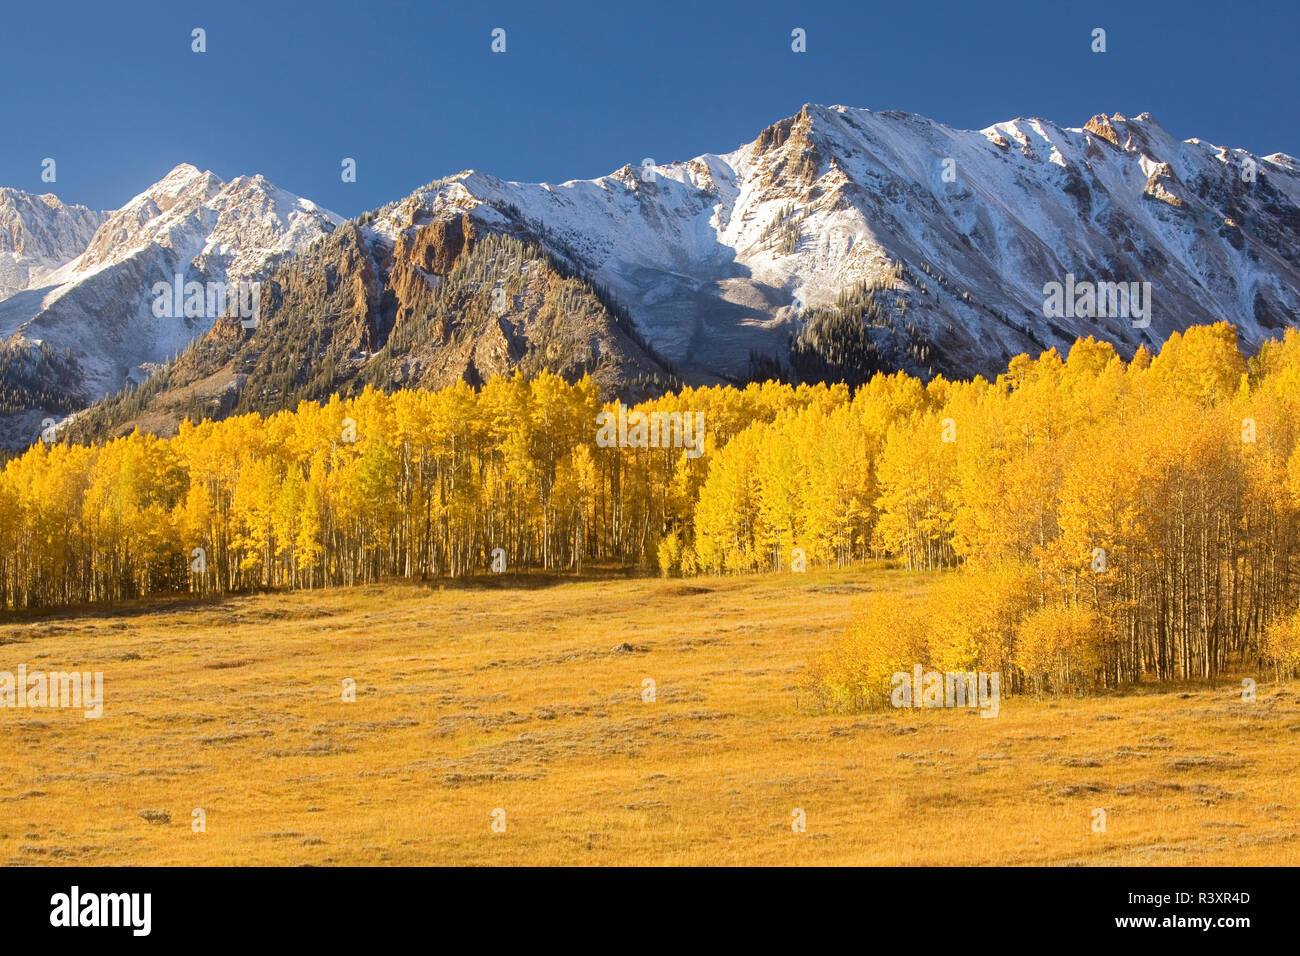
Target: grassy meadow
x=525, y=695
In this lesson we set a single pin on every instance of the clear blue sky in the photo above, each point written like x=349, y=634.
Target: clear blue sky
x=412, y=91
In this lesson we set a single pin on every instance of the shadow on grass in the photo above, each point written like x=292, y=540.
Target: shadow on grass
x=136, y=607
x=529, y=580
x=172, y=603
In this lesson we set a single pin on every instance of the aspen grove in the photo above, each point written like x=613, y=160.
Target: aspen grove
x=1108, y=520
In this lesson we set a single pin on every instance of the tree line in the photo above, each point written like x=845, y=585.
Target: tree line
x=1143, y=512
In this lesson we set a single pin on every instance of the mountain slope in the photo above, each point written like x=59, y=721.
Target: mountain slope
x=38, y=234
x=837, y=243
x=442, y=303
x=722, y=254
x=92, y=325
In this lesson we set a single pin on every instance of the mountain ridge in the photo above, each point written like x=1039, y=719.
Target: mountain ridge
x=92, y=324
x=838, y=242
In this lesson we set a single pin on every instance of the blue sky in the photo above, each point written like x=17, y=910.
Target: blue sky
x=413, y=92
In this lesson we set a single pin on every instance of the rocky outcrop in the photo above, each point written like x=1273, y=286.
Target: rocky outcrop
x=1101, y=127
x=421, y=256
x=1160, y=185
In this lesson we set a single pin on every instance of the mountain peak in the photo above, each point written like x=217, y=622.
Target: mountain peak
x=1103, y=127
x=939, y=240
x=38, y=234
x=720, y=255
x=184, y=176
x=100, y=305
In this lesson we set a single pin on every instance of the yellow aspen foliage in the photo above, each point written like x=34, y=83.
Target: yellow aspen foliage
x=856, y=673
x=1161, y=495
x=917, y=477
x=974, y=616
x=1060, y=648
x=1282, y=644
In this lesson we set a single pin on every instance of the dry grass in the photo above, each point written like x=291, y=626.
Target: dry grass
x=527, y=699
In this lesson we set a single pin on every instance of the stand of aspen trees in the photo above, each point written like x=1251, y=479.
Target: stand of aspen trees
x=1114, y=519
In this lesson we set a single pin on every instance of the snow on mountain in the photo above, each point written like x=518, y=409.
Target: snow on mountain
x=959, y=230
x=232, y=228
x=38, y=234
x=100, y=305
x=954, y=237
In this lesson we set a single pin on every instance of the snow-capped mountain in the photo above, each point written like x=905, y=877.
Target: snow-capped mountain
x=97, y=317
x=38, y=234
x=959, y=231
x=875, y=240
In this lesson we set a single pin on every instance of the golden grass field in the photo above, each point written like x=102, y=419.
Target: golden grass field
x=518, y=695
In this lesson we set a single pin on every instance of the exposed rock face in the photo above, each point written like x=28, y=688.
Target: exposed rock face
x=421, y=255
x=438, y=245
x=1100, y=126
x=437, y=302
x=1159, y=183
x=797, y=160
